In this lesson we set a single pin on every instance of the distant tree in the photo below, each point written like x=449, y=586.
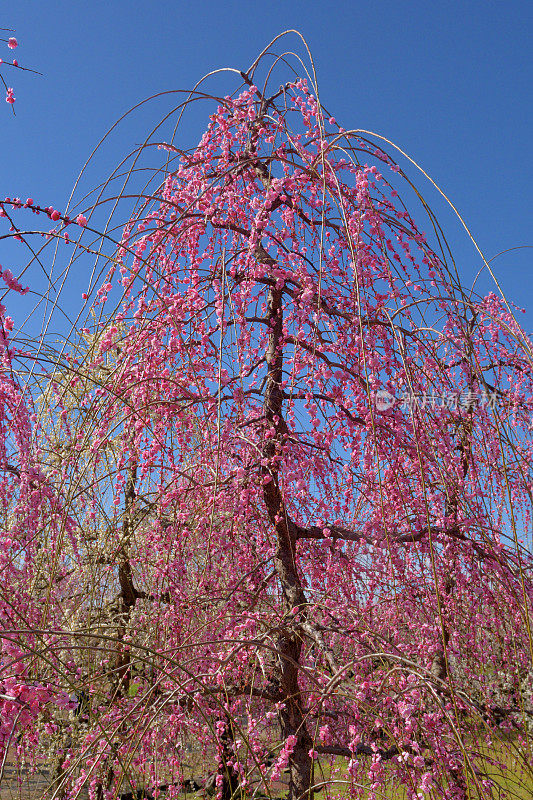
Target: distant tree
x=273, y=499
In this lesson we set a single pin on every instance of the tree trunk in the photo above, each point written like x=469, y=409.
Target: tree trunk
x=290, y=641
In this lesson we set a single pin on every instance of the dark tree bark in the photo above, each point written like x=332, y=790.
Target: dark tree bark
x=290, y=642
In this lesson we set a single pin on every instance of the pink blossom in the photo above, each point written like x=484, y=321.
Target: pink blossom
x=12, y=282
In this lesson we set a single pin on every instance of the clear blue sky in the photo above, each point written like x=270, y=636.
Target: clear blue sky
x=450, y=82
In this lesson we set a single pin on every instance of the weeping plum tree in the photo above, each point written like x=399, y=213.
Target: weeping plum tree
x=266, y=509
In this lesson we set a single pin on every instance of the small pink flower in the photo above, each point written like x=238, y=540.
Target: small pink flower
x=15, y=62
x=290, y=743
x=81, y=220
x=55, y=215
x=12, y=43
x=8, y=324
x=9, y=96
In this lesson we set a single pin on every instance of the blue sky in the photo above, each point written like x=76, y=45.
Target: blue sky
x=450, y=82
